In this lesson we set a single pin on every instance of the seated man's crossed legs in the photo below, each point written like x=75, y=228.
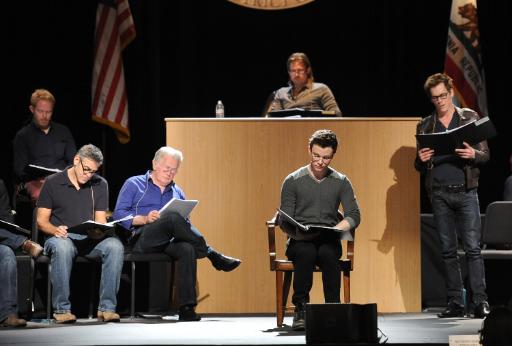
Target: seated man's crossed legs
x=176, y=237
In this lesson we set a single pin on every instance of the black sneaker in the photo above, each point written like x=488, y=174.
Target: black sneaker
x=221, y=262
x=299, y=317
x=452, y=310
x=187, y=313
x=482, y=309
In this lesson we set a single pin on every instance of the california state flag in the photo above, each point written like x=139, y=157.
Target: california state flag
x=463, y=60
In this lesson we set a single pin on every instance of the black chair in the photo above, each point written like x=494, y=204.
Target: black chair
x=133, y=258
x=497, y=231
x=496, y=239
x=268, y=104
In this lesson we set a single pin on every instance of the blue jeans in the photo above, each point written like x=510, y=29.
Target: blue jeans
x=8, y=283
x=64, y=250
x=460, y=211
x=11, y=240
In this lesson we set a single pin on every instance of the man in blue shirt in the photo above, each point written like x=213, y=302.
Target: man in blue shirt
x=143, y=196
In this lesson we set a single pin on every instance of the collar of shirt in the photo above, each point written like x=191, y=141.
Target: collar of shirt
x=38, y=130
x=153, y=198
x=63, y=178
x=308, y=86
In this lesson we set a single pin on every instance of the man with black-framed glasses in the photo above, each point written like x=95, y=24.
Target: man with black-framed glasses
x=69, y=198
x=312, y=195
x=451, y=182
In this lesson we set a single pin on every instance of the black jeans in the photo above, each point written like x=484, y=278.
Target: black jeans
x=177, y=238
x=460, y=211
x=323, y=251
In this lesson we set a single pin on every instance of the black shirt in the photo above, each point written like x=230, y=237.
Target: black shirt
x=70, y=206
x=448, y=169
x=31, y=145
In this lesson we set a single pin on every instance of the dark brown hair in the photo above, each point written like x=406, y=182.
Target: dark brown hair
x=436, y=79
x=325, y=139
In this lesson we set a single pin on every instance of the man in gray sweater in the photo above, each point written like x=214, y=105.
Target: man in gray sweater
x=312, y=195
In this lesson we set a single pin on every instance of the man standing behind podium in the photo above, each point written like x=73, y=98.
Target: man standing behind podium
x=143, y=196
x=43, y=142
x=312, y=195
x=302, y=91
x=452, y=181
x=69, y=198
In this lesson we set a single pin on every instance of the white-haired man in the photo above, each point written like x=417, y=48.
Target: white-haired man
x=143, y=196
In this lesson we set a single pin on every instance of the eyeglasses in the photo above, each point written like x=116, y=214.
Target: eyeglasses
x=87, y=170
x=167, y=169
x=317, y=157
x=299, y=72
x=442, y=96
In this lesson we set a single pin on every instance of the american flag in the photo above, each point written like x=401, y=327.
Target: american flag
x=114, y=31
x=463, y=60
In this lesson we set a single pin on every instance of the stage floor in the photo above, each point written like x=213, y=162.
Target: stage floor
x=410, y=328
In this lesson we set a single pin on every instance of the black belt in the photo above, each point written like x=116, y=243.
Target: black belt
x=451, y=188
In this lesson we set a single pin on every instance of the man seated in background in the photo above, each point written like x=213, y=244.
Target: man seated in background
x=143, y=196
x=42, y=142
x=302, y=91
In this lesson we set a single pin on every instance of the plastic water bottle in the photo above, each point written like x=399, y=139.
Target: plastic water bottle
x=219, y=109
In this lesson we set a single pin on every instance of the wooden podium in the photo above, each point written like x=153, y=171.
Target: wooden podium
x=235, y=168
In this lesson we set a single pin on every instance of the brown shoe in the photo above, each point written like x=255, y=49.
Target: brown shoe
x=108, y=316
x=32, y=248
x=66, y=317
x=13, y=321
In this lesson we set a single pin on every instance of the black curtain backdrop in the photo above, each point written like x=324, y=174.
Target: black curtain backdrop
x=375, y=56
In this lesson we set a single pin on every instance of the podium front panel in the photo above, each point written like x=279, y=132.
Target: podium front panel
x=235, y=168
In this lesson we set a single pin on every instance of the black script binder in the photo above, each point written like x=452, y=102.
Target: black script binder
x=446, y=142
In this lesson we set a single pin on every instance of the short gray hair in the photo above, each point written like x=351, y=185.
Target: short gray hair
x=91, y=152
x=168, y=151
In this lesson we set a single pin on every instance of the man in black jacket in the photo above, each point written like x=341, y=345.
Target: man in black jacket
x=451, y=181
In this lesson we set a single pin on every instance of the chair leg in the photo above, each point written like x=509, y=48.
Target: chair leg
x=92, y=290
x=132, y=295
x=346, y=286
x=286, y=288
x=49, y=293
x=171, y=294
x=279, y=298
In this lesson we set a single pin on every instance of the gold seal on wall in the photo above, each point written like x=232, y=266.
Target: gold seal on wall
x=271, y=4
